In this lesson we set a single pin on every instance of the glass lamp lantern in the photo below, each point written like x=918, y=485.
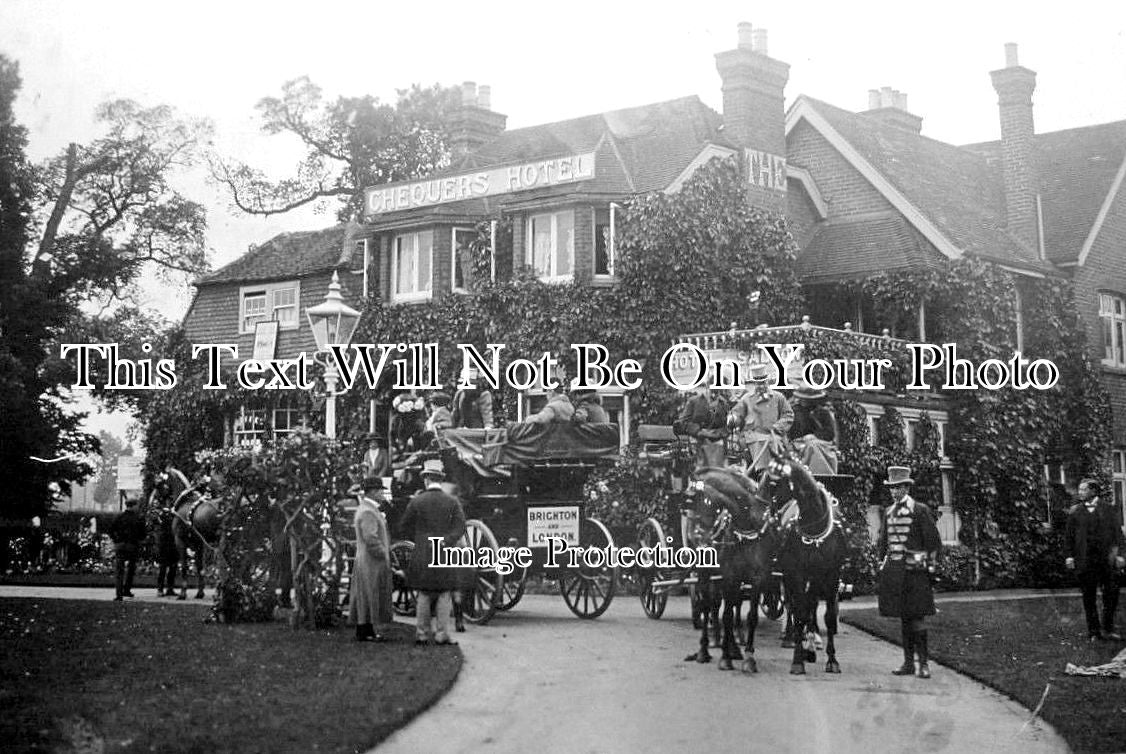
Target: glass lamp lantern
x=333, y=322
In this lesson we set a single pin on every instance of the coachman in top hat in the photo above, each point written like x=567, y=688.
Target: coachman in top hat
x=909, y=545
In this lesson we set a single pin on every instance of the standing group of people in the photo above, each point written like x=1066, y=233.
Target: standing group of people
x=432, y=513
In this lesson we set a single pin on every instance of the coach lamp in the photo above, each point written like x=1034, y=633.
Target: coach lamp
x=333, y=322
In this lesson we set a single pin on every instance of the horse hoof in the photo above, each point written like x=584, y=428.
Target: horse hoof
x=810, y=656
x=797, y=669
x=787, y=644
x=832, y=666
x=726, y=664
x=750, y=666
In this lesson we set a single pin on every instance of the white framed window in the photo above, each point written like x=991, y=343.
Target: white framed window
x=272, y=301
x=286, y=421
x=461, y=259
x=551, y=245
x=250, y=426
x=411, y=254
x=605, y=254
x=1112, y=314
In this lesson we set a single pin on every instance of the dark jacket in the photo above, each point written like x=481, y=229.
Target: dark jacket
x=128, y=529
x=701, y=415
x=432, y=513
x=472, y=408
x=1093, y=539
x=815, y=419
x=904, y=588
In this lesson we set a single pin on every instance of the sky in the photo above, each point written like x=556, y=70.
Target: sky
x=544, y=62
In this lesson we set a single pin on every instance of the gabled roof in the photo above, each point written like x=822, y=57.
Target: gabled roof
x=654, y=142
x=1078, y=170
x=284, y=257
x=856, y=246
x=952, y=195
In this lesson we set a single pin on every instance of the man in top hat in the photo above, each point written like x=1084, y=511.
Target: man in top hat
x=588, y=407
x=763, y=414
x=1093, y=542
x=472, y=406
x=370, y=600
x=909, y=545
x=433, y=513
x=814, y=431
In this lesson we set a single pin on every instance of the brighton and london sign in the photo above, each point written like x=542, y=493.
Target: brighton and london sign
x=478, y=185
x=546, y=522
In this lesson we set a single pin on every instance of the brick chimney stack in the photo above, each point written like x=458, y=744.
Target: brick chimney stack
x=754, y=112
x=1015, y=84
x=475, y=124
x=889, y=106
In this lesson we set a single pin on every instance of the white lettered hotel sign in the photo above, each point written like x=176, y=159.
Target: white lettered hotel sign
x=766, y=170
x=394, y=197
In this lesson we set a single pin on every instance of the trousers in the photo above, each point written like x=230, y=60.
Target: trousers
x=433, y=616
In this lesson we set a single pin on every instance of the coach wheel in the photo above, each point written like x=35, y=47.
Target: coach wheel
x=403, y=598
x=589, y=590
x=488, y=585
x=513, y=588
x=650, y=534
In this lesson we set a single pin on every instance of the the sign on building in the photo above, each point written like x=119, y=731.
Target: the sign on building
x=394, y=197
x=553, y=521
x=766, y=170
x=129, y=473
x=729, y=366
x=266, y=340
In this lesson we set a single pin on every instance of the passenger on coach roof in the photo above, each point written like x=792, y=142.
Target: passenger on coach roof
x=472, y=407
x=588, y=407
x=557, y=409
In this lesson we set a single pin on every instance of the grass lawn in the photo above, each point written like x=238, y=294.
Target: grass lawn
x=151, y=677
x=1020, y=646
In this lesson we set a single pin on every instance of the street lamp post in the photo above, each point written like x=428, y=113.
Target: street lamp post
x=333, y=322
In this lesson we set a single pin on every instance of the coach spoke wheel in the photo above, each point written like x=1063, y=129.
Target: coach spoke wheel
x=588, y=591
x=513, y=588
x=651, y=534
x=488, y=586
x=403, y=598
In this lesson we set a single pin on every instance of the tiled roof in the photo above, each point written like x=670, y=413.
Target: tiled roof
x=958, y=190
x=1076, y=168
x=864, y=245
x=286, y=256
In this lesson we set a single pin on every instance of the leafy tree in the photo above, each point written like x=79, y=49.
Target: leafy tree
x=349, y=144
x=75, y=234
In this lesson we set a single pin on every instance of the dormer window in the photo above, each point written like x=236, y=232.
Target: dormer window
x=411, y=266
x=551, y=245
x=273, y=301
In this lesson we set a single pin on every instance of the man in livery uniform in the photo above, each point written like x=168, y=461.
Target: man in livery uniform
x=909, y=545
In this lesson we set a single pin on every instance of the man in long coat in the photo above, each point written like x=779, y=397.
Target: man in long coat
x=433, y=513
x=370, y=601
x=909, y=545
x=472, y=407
x=1093, y=539
x=814, y=431
x=704, y=418
x=764, y=415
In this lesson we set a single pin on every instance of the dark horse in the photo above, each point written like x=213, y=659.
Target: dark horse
x=729, y=514
x=195, y=525
x=812, y=551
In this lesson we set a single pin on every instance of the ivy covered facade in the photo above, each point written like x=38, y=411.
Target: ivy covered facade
x=637, y=227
